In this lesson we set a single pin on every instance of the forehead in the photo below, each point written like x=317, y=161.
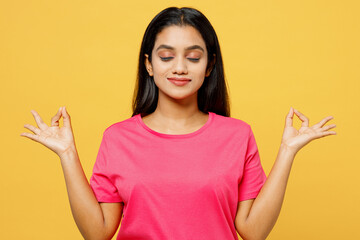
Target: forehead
x=179, y=37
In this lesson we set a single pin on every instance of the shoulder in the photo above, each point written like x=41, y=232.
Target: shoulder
x=121, y=127
x=232, y=124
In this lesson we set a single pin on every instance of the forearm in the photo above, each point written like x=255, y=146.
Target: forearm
x=85, y=208
x=266, y=207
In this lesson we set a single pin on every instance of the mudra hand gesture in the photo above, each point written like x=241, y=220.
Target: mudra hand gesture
x=59, y=140
x=294, y=139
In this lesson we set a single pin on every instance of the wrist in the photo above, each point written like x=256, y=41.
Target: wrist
x=69, y=153
x=285, y=149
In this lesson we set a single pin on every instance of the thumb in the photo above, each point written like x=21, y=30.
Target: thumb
x=55, y=119
x=289, y=118
x=66, y=117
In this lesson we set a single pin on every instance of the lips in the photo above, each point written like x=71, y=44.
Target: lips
x=180, y=79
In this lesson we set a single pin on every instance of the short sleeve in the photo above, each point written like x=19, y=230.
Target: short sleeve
x=253, y=177
x=100, y=182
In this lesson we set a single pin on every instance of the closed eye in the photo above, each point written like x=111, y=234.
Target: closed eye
x=194, y=59
x=165, y=59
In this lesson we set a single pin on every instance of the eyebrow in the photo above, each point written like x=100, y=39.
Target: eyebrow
x=188, y=48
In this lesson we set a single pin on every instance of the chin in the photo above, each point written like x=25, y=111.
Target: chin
x=182, y=96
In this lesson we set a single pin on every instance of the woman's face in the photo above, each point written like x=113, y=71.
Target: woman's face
x=179, y=53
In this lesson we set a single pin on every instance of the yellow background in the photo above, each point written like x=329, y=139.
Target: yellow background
x=277, y=54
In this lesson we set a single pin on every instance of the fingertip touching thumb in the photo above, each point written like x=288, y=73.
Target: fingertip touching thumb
x=291, y=112
x=65, y=113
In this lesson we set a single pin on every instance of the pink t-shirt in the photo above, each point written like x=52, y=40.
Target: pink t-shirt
x=183, y=186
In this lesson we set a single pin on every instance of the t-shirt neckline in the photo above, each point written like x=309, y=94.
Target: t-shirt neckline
x=165, y=135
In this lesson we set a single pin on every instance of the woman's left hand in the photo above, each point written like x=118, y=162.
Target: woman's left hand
x=294, y=139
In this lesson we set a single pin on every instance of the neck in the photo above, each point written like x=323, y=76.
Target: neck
x=179, y=110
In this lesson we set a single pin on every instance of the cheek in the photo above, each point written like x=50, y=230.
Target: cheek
x=160, y=69
x=199, y=69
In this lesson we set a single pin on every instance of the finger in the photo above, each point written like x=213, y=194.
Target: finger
x=31, y=136
x=289, y=118
x=327, y=133
x=55, y=119
x=325, y=128
x=66, y=117
x=32, y=128
x=38, y=120
x=303, y=118
x=323, y=121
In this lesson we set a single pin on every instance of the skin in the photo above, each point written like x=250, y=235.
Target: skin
x=176, y=113
x=177, y=109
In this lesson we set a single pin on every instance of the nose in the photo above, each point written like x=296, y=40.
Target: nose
x=180, y=66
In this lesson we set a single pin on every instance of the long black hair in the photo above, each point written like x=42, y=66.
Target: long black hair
x=212, y=95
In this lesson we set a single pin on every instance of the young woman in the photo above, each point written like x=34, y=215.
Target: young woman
x=180, y=167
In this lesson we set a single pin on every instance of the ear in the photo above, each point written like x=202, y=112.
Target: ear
x=148, y=65
x=210, y=66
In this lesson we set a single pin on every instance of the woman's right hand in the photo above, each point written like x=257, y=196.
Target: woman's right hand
x=59, y=140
